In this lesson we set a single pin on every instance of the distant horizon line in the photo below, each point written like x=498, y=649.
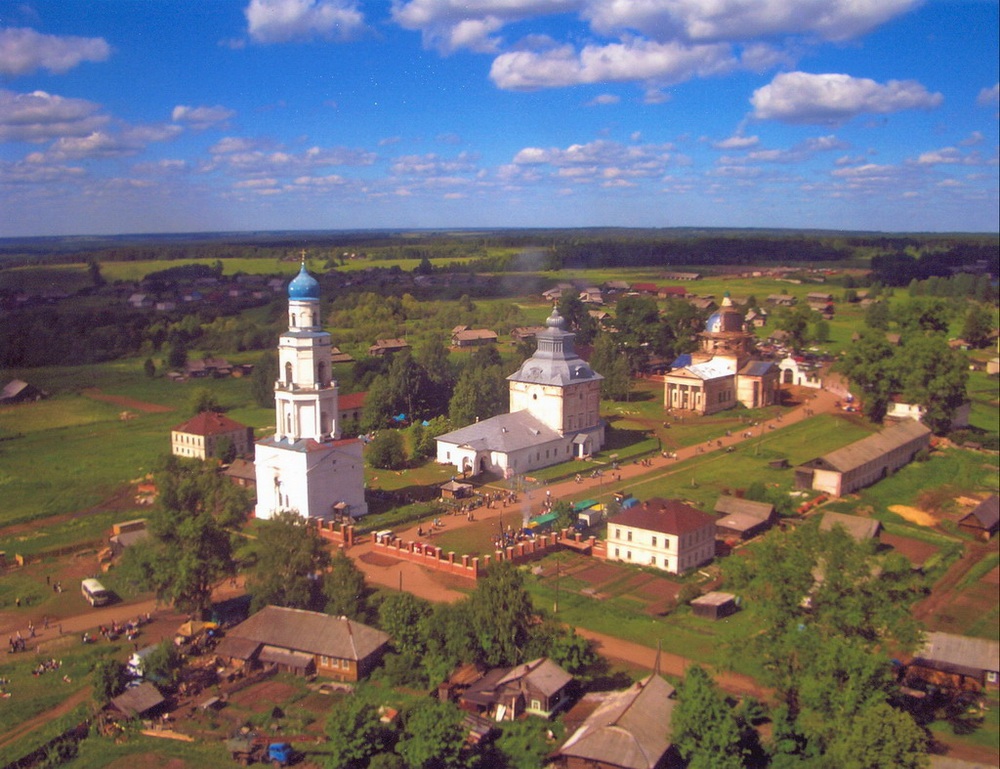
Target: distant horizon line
x=304, y=233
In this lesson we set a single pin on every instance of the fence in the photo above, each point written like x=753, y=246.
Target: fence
x=473, y=567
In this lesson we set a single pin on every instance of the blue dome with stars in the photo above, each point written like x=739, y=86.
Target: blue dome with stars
x=304, y=286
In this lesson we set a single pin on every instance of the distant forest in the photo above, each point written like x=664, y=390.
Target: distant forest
x=895, y=259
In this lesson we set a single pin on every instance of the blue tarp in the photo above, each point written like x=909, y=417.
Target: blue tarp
x=630, y=502
x=399, y=418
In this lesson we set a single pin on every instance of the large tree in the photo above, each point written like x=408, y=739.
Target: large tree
x=290, y=562
x=608, y=361
x=355, y=733
x=344, y=588
x=188, y=550
x=703, y=726
x=433, y=736
x=502, y=614
x=933, y=375
x=830, y=609
x=480, y=393
x=869, y=363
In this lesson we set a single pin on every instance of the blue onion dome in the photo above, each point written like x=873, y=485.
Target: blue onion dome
x=303, y=286
x=555, y=320
x=714, y=323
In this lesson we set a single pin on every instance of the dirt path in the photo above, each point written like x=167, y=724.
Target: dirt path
x=27, y=727
x=942, y=594
x=670, y=664
x=125, y=402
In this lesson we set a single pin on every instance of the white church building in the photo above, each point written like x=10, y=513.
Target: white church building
x=306, y=467
x=554, y=414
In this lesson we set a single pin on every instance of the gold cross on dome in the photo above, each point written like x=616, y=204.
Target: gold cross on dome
x=303, y=255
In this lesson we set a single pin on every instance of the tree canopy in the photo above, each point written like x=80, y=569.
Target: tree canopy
x=831, y=608
x=290, y=561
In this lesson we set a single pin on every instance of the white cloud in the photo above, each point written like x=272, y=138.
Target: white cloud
x=97, y=145
x=604, y=99
x=802, y=97
x=24, y=50
x=976, y=137
x=200, y=118
x=606, y=162
x=449, y=25
x=433, y=165
x=233, y=144
x=281, y=21
x=989, y=96
x=642, y=60
x=737, y=143
x=34, y=169
x=245, y=158
x=743, y=19
x=39, y=116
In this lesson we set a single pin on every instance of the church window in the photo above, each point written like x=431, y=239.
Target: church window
x=288, y=373
x=293, y=320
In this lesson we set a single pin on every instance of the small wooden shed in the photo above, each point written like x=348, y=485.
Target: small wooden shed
x=714, y=605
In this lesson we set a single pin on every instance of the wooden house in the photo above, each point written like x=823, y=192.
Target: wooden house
x=957, y=661
x=743, y=518
x=984, y=518
x=627, y=729
x=539, y=687
x=305, y=643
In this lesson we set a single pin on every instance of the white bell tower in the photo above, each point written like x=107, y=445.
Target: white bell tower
x=306, y=467
x=305, y=394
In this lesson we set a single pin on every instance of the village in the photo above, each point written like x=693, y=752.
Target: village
x=542, y=491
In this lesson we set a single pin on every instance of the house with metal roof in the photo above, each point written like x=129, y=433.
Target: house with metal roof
x=137, y=701
x=866, y=461
x=743, y=518
x=860, y=529
x=663, y=533
x=957, y=660
x=628, y=729
x=305, y=643
x=554, y=414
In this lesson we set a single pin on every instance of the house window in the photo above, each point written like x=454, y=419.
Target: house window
x=618, y=533
x=628, y=555
x=617, y=553
x=654, y=545
x=629, y=536
x=536, y=704
x=652, y=561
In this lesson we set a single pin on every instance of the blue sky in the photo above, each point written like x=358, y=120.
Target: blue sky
x=127, y=116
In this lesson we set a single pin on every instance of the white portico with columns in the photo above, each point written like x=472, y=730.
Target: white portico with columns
x=306, y=467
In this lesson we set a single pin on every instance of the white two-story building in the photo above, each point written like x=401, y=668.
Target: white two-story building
x=662, y=533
